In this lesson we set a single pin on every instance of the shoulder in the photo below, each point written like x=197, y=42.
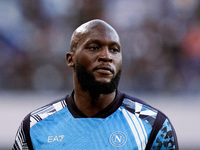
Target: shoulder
x=136, y=103
x=23, y=139
x=45, y=111
x=143, y=110
x=162, y=129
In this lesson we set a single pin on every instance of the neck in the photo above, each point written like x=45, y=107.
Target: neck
x=91, y=105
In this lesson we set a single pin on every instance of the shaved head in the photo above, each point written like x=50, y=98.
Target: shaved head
x=96, y=58
x=92, y=26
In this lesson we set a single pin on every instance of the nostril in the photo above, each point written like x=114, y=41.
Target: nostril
x=105, y=59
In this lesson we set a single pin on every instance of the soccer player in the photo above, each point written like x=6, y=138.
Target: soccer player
x=96, y=115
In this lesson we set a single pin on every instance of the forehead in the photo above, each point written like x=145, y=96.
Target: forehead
x=103, y=35
x=100, y=35
x=94, y=30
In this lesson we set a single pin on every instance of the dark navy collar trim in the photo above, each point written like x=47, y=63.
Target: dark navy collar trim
x=102, y=114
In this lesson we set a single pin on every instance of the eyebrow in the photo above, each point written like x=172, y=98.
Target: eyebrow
x=99, y=42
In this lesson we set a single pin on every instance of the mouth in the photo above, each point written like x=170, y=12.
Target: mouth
x=104, y=70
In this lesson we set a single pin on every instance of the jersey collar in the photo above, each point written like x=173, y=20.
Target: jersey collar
x=102, y=114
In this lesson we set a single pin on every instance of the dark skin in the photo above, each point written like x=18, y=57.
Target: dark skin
x=98, y=50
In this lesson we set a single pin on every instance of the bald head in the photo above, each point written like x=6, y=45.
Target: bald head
x=96, y=26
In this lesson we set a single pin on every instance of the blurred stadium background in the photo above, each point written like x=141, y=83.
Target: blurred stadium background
x=161, y=56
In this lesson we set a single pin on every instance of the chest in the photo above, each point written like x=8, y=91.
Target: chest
x=63, y=131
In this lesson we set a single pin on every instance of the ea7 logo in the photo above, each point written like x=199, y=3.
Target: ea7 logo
x=58, y=138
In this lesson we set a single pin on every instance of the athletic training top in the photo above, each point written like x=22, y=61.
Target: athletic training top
x=126, y=124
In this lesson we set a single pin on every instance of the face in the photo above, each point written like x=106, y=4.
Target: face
x=95, y=88
x=98, y=58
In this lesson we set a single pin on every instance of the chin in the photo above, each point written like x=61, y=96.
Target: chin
x=103, y=80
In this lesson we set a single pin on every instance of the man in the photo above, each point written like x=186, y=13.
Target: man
x=96, y=116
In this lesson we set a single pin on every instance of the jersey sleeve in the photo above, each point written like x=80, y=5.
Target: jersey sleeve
x=22, y=139
x=165, y=138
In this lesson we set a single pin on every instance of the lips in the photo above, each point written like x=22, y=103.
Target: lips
x=104, y=69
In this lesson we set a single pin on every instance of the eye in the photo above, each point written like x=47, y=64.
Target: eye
x=94, y=47
x=114, y=49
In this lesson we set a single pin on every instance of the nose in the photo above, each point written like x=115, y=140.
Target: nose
x=105, y=55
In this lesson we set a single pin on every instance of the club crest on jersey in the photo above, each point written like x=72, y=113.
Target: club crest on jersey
x=118, y=139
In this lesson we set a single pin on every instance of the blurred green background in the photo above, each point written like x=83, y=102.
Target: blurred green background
x=161, y=56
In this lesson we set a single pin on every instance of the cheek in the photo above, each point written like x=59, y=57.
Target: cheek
x=84, y=60
x=118, y=63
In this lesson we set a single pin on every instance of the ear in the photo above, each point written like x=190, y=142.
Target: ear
x=70, y=59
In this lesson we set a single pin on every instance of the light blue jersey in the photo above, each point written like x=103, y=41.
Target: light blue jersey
x=126, y=124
